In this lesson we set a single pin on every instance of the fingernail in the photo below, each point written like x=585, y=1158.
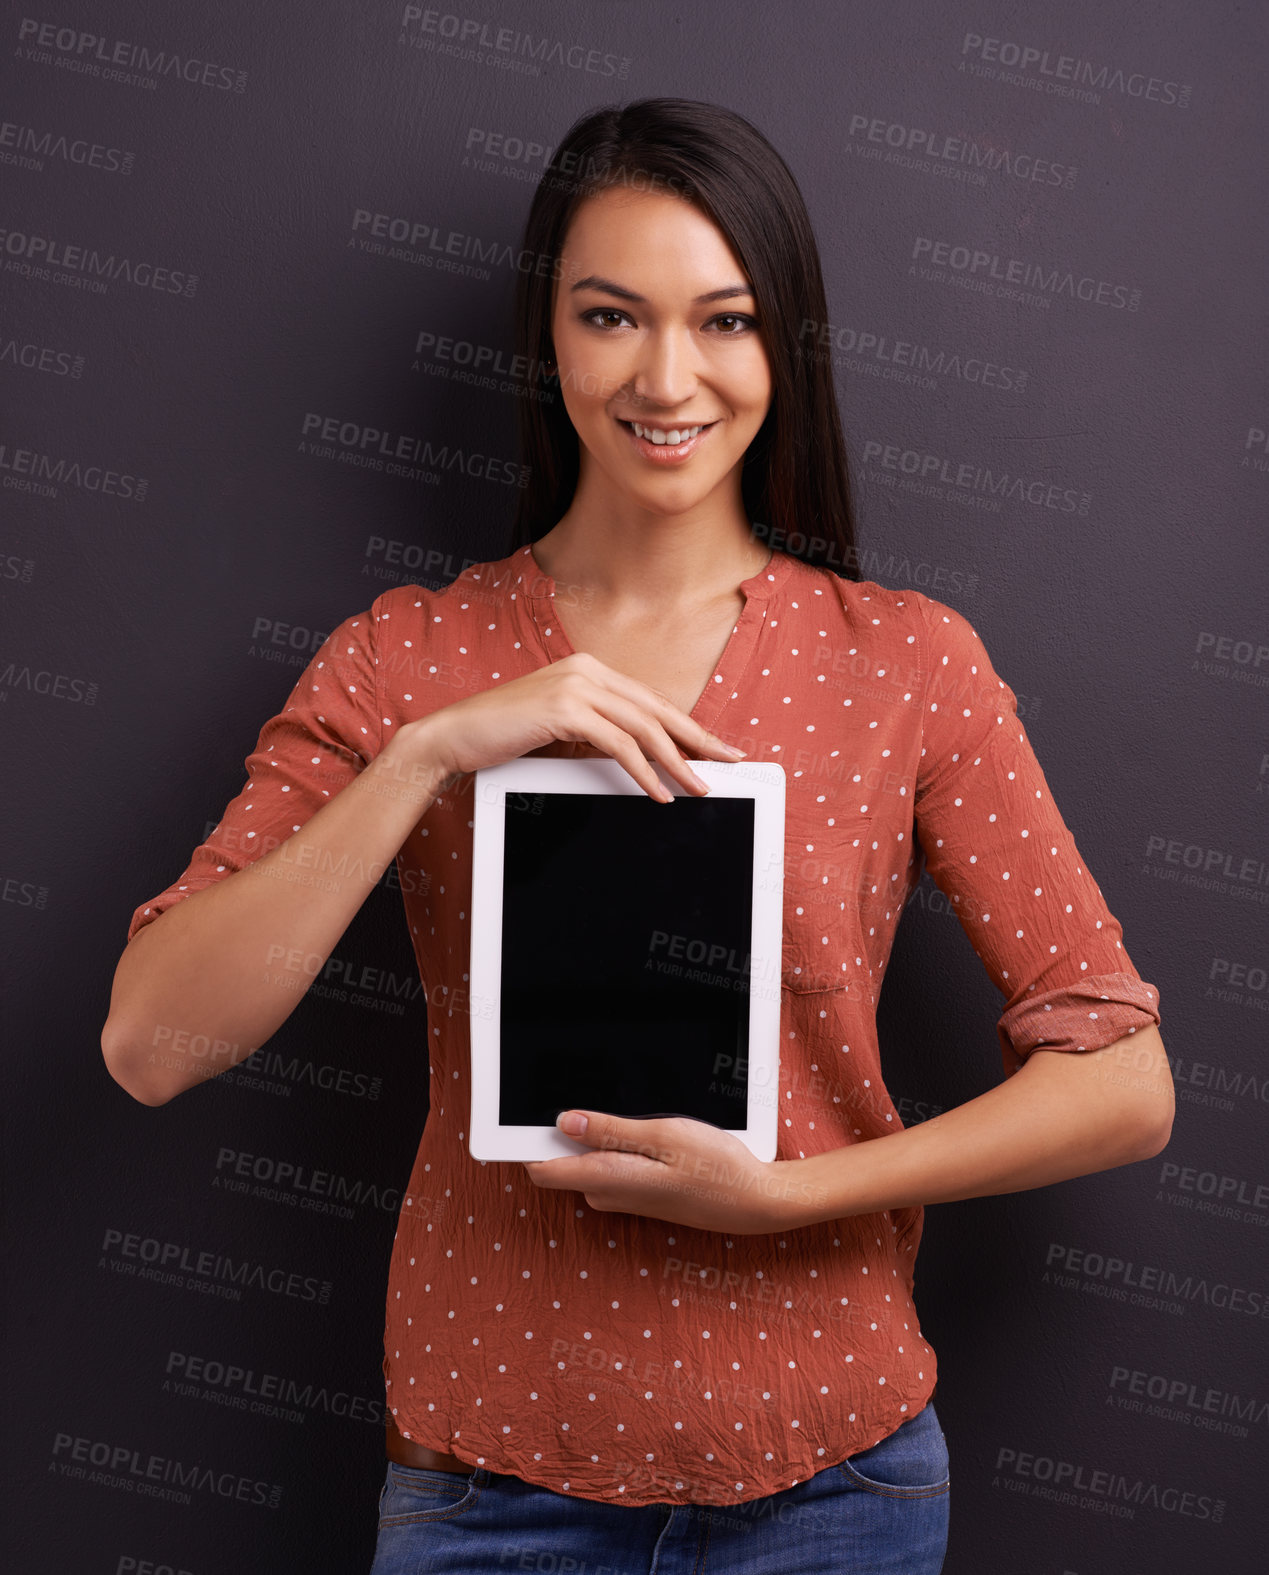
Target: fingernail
x=732, y=750
x=572, y=1121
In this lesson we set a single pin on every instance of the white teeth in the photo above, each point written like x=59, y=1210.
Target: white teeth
x=657, y=435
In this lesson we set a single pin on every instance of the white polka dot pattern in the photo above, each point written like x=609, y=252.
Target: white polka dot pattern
x=997, y=845
x=626, y=1359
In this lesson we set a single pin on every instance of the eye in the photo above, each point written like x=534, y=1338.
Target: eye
x=742, y=321
x=602, y=311
x=736, y=317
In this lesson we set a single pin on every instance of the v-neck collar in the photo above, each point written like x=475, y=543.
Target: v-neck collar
x=537, y=588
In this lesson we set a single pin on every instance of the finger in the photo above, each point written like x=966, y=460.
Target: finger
x=562, y=1173
x=629, y=753
x=699, y=739
x=619, y=1135
x=640, y=736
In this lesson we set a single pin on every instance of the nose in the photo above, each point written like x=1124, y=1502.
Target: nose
x=665, y=375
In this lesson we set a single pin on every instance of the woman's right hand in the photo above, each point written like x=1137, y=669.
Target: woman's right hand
x=575, y=700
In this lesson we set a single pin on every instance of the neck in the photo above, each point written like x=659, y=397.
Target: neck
x=664, y=564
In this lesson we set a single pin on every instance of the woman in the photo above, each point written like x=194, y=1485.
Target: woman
x=599, y=1358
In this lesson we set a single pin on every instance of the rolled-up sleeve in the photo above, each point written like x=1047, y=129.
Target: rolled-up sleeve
x=328, y=731
x=997, y=847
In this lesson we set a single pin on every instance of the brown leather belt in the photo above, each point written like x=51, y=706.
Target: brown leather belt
x=407, y=1453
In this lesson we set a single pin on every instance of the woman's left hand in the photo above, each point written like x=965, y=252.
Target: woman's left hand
x=670, y=1168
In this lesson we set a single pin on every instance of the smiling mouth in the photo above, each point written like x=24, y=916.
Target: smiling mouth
x=666, y=436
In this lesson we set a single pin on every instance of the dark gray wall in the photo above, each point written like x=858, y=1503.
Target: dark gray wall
x=171, y=554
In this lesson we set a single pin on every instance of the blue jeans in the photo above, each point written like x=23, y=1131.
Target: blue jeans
x=883, y=1511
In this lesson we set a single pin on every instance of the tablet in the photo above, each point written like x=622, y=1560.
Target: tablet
x=625, y=954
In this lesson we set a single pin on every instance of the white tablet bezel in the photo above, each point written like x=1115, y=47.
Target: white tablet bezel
x=764, y=783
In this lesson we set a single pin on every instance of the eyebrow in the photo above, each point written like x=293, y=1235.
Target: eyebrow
x=593, y=281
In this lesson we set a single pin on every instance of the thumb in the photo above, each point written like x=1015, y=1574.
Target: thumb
x=597, y=1128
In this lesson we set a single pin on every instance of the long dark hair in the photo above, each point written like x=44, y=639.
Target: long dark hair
x=795, y=486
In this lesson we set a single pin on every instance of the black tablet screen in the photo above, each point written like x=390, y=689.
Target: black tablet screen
x=626, y=929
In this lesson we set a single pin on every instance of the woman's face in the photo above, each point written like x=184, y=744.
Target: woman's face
x=668, y=361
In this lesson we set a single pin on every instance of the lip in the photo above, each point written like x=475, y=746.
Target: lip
x=663, y=454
